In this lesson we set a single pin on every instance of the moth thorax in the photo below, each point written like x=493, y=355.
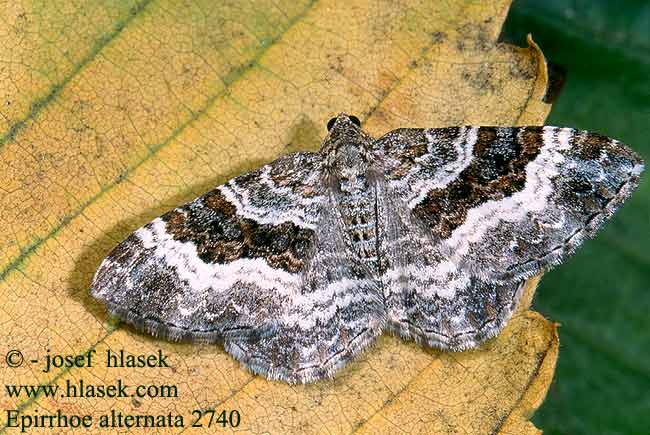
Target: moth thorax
x=350, y=168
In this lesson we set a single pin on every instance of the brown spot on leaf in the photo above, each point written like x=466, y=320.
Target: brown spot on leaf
x=438, y=37
x=481, y=79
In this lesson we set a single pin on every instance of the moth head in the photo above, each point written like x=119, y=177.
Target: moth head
x=346, y=149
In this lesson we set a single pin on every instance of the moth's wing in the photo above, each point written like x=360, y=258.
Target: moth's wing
x=429, y=298
x=484, y=209
x=257, y=263
x=338, y=313
x=506, y=203
x=223, y=265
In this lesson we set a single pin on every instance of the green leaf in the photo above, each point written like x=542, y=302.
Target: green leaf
x=602, y=296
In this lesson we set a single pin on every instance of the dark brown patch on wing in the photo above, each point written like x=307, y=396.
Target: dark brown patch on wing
x=221, y=236
x=590, y=145
x=498, y=170
x=408, y=144
x=485, y=137
x=123, y=253
x=283, y=171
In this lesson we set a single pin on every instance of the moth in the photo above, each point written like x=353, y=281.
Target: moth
x=426, y=233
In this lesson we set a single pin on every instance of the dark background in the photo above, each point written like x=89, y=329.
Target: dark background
x=601, y=296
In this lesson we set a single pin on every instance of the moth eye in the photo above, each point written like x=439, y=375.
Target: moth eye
x=352, y=118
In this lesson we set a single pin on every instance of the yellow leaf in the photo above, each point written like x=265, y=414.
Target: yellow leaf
x=146, y=105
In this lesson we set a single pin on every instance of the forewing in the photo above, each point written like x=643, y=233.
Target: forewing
x=224, y=265
x=505, y=203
